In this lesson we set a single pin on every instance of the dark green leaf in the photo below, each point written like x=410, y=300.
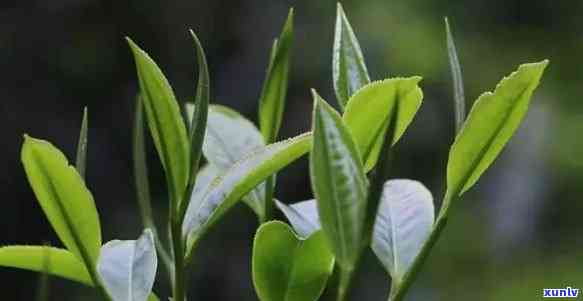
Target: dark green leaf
x=348, y=68
x=286, y=267
x=273, y=94
x=339, y=184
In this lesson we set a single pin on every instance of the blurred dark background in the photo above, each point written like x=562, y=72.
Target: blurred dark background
x=517, y=232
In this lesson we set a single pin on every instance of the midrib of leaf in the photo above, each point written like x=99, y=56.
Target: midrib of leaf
x=232, y=159
x=80, y=247
x=332, y=183
x=393, y=240
x=483, y=151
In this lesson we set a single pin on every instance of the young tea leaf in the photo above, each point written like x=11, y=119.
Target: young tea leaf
x=128, y=268
x=165, y=123
x=198, y=121
x=63, y=263
x=458, y=83
x=236, y=182
x=286, y=267
x=64, y=198
x=229, y=138
x=81, y=160
x=204, y=179
x=303, y=216
x=339, y=184
x=403, y=224
x=492, y=120
x=273, y=94
x=349, y=71
x=369, y=110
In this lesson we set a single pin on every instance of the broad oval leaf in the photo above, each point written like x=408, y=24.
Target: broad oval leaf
x=402, y=226
x=339, y=184
x=349, y=71
x=286, y=267
x=369, y=110
x=233, y=184
x=303, y=216
x=128, y=268
x=64, y=264
x=64, y=198
x=492, y=120
x=165, y=123
x=273, y=93
x=229, y=138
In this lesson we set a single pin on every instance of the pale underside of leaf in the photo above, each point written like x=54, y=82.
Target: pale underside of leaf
x=403, y=224
x=303, y=216
x=128, y=268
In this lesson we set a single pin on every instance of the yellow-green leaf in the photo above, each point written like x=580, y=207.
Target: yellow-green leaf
x=64, y=198
x=493, y=119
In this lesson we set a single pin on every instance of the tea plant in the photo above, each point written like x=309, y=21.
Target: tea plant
x=356, y=205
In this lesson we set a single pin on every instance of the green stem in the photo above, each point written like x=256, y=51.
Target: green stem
x=345, y=277
x=179, y=292
x=399, y=290
x=268, y=212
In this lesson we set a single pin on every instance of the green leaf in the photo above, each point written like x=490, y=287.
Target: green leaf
x=339, y=184
x=236, y=182
x=369, y=110
x=64, y=264
x=204, y=180
x=229, y=138
x=273, y=94
x=303, y=216
x=198, y=119
x=286, y=267
x=493, y=119
x=348, y=68
x=64, y=198
x=165, y=123
x=403, y=224
x=81, y=160
x=128, y=267
x=458, y=83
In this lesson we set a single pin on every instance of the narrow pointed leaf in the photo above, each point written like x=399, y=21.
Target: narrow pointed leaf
x=236, y=182
x=64, y=198
x=229, y=138
x=369, y=110
x=339, y=184
x=198, y=121
x=63, y=263
x=348, y=67
x=458, y=83
x=493, y=119
x=273, y=93
x=81, y=160
x=303, y=216
x=286, y=267
x=403, y=225
x=141, y=166
x=128, y=268
x=165, y=123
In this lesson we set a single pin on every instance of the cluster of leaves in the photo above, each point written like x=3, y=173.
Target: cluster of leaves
x=355, y=207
